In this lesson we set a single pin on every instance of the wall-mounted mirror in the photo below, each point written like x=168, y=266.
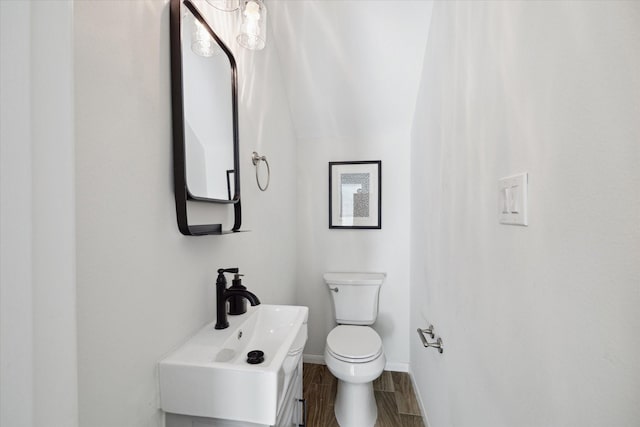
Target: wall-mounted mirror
x=205, y=117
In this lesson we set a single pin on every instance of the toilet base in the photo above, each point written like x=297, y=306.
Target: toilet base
x=355, y=405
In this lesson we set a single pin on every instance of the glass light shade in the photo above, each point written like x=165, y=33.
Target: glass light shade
x=201, y=41
x=253, y=31
x=225, y=5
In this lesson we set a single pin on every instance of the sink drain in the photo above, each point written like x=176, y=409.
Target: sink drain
x=255, y=357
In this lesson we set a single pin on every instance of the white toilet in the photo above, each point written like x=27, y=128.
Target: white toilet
x=353, y=352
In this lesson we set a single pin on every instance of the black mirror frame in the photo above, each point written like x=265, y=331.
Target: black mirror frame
x=182, y=194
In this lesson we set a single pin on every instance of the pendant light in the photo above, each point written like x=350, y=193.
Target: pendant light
x=253, y=30
x=202, y=43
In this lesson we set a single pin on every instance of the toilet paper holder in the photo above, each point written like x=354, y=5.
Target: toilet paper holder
x=429, y=331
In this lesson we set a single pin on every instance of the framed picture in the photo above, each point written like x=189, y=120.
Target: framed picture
x=354, y=194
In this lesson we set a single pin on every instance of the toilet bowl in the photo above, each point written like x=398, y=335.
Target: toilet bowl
x=354, y=356
x=353, y=351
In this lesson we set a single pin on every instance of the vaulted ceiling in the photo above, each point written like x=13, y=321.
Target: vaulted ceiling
x=351, y=67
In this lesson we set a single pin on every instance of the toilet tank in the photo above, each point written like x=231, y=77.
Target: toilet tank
x=355, y=296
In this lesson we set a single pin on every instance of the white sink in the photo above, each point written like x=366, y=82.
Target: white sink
x=209, y=376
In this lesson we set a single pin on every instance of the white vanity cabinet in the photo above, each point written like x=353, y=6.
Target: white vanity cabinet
x=210, y=381
x=292, y=411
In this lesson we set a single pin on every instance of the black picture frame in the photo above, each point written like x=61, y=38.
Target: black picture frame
x=355, y=194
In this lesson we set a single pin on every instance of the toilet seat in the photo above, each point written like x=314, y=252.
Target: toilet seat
x=354, y=344
x=350, y=360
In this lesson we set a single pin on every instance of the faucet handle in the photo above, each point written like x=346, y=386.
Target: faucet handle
x=235, y=270
x=221, y=280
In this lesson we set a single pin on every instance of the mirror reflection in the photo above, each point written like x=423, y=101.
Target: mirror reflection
x=207, y=81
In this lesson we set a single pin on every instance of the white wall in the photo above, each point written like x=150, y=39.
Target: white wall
x=38, y=377
x=143, y=288
x=352, y=70
x=321, y=249
x=540, y=324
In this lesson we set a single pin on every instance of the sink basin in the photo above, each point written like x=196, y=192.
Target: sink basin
x=209, y=376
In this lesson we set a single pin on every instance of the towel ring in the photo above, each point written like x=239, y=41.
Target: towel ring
x=256, y=158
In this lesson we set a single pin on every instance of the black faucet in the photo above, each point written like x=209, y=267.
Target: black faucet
x=223, y=294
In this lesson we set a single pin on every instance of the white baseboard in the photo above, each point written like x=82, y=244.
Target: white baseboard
x=396, y=367
x=423, y=412
x=313, y=358
x=390, y=366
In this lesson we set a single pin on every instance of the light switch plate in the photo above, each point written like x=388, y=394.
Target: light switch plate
x=512, y=199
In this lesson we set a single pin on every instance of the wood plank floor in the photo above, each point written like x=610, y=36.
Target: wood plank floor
x=396, y=401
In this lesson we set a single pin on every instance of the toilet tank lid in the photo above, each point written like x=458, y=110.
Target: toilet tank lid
x=354, y=278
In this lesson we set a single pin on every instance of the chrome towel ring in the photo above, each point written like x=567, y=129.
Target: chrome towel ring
x=256, y=158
